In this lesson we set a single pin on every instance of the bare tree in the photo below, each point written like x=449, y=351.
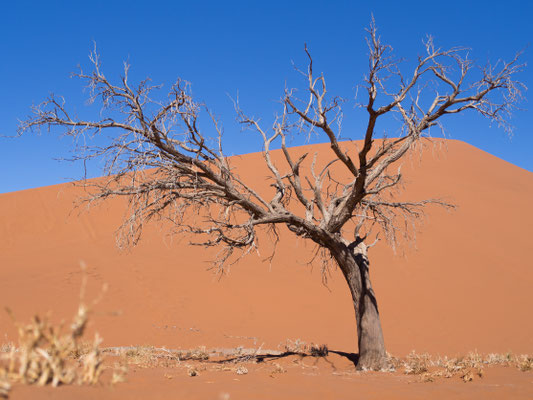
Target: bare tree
x=159, y=158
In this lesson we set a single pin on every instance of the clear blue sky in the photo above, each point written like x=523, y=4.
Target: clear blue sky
x=225, y=47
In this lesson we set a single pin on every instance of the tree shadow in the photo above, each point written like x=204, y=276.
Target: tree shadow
x=259, y=358
x=353, y=357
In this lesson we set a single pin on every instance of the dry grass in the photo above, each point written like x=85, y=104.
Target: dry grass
x=424, y=366
x=467, y=368
x=145, y=356
x=5, y=387
x=294, y=346
x=194, y=361
x=300, y=347
x=525, y=363
x=48, y=354
x=278, y=369
x=151, y=356
x=318, y=350
x=241, y=370
x=416, y=364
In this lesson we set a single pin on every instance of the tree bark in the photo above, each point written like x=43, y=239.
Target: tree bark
x=353, y=262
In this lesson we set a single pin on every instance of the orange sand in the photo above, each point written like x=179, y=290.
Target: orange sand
x=467, y=286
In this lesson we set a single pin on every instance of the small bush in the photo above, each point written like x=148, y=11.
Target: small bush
x=417, y=364
x=525, y=363
x=49, y=354
x=465, y=367
x=318, y=350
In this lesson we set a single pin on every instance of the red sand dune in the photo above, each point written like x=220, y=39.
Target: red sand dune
x=467, y=285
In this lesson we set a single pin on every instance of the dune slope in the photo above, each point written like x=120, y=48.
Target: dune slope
x=466, y=285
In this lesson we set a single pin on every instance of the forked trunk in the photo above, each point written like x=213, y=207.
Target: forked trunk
x=353, y=262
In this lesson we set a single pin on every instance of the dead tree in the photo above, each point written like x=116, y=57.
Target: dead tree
x=159, y=158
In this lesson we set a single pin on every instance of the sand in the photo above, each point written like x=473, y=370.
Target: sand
x=465, y=286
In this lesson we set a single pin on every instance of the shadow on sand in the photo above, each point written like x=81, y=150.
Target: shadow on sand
x=353, y=357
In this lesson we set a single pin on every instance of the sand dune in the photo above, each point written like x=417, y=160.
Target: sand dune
x=466, y=286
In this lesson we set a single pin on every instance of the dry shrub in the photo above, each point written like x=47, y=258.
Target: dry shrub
x=417, y=364
x=197, y=354
x=5, y=387
x=318, y=350
x=465, y=367
x=144, y=356
x=525, y=363
x=92, y=363
x=241, y=370
x=120, y=371
x=48, y=355
x=45, y=354
x=499, y=359
x=294, y=346
x=6, y=347
x=149, y=356
x=467, y=376
x=300, y=347
x=278, y=369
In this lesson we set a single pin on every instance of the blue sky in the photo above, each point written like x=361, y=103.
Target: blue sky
x=231, y=47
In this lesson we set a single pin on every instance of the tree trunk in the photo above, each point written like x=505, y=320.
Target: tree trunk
x=353, y=262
